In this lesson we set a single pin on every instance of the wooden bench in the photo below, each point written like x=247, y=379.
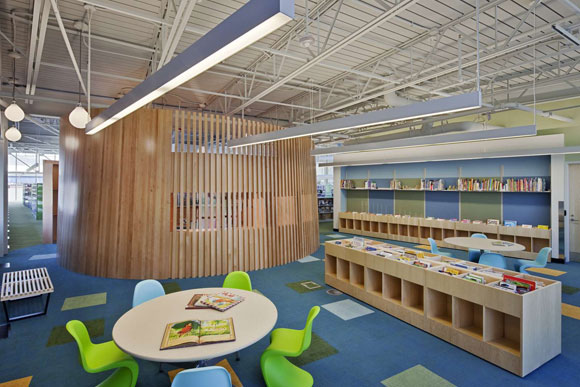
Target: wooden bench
x=17, y=285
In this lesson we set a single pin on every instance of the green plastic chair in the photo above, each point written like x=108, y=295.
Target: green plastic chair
x=238, y=280
x=276, y=369
x=541, y=260
x=103, y=357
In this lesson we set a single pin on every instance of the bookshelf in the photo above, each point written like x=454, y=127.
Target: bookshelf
x=518, y=332
x=50, y=201
x=417, y=230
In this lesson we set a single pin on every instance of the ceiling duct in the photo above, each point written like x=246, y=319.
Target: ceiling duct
x=426, y=130
x=393, y=100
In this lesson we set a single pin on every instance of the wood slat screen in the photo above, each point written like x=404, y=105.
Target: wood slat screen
x=160, y=195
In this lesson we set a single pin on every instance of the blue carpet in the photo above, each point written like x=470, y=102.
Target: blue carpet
x=371, y=348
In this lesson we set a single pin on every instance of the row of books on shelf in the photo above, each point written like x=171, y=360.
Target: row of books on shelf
x=451, y=267
x=531, y=184
x=492, y=222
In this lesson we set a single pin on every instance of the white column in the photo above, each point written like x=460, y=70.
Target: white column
x=3, y=187
x=558, y=188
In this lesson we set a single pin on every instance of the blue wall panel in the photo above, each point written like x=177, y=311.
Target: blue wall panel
x=527, y=166
x=527, y=208
x=381, y=202
x=442, y=204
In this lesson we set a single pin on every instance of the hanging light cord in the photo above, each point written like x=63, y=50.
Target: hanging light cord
x=80, y=59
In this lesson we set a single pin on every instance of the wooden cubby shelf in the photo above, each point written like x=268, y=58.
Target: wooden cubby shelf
x=518, y=332
x=417, y=230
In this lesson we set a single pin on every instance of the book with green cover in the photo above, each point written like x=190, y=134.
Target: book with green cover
x=197, y=332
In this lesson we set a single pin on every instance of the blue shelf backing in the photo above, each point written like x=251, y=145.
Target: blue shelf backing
x=527, y=208
x=381, y=202
x=442, y=204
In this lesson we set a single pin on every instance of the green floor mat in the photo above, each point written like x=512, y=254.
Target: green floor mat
x=319, y=349
x=417, y=376
x=84, y=301
x=171, y=287
x=59, y=335
x=305, y=286
x=25, y=230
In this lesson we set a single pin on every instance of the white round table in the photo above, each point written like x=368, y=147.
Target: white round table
x=140, y=330
x=484, y=244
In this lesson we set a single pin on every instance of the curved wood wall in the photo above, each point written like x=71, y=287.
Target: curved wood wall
x=158, y=195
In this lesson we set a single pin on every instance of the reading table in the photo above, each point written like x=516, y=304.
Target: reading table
x=139, y=331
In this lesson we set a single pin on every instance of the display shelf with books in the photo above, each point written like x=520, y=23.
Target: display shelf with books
x=455, y=300
x=417, y=230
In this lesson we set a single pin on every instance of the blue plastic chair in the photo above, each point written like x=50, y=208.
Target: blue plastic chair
x=435, y=249
x=147, y=290
x=205, y=376
x=474, y=254
x=493, y=259
x=541, y=260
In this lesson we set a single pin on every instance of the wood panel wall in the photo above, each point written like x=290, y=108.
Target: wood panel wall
x=159, y=195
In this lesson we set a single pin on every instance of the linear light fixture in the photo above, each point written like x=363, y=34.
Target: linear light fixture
x=451, y=138
x=567, y=150
x=252, y=22
x=429, y=108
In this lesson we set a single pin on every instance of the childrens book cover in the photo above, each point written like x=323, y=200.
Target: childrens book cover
x=195, y=303
x=197, y=332
x=221, y=301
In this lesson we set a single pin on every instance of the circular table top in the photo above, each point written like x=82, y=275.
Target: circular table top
x=484, y=244
x=140, y=330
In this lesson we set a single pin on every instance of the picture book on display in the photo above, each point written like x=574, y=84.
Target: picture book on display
x=516, y=284
x=220, y=301
x=197, y=332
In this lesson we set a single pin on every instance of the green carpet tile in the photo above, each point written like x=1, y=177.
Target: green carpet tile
x=417, y=376
x=59, y=335
x=305, y=286
x=24, y=231
x=84, y=301
x=171, y=287
x=325, y=227
x=319, y=349
x=566, y=289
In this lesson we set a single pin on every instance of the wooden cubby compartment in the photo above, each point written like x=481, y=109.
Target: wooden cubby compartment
x=330, y=265
x=343, y=223
x=448, y=233
x=539, y=243
x=393, y=229
x=384, y=228
x=357, y=275
x=425, y=232
x=437, y=233
x=350, y=224
x=502, y=330
x=462, y=233
x=412, y=296
x=357, y=224
x=342, y=270
x=374, y=282
x=525, y=241
x=366, y=225
x=392, y=288
x=374, y=226
x=403, y=230
x=507, y=238
x=413, y=231
x=468, y=317
x=439, y=306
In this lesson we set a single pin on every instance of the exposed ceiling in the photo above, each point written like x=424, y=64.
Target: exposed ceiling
x=361, y=51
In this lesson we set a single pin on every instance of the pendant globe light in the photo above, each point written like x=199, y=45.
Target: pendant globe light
x=79, y=117
x=14, y=112
x=13, y=134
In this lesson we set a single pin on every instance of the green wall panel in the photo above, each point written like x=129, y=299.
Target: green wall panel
x=480, y=205
x=357, y=201
x=410, y=203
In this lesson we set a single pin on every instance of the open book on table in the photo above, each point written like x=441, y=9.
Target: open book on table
x=197, y=332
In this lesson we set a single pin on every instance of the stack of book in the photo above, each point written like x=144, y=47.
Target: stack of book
x=516, y=284
x=529, y=184
x=433, y=185
x=488, y=184
x=474, y=278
